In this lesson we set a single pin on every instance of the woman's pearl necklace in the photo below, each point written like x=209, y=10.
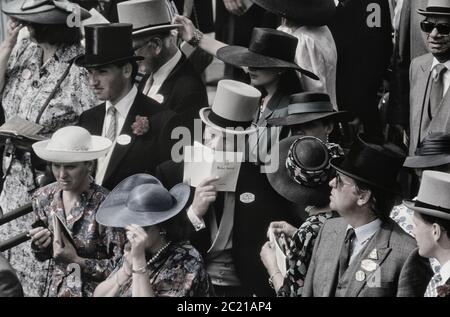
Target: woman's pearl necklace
x=156, y=256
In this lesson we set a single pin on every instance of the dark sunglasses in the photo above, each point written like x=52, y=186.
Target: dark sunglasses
x=428, y=27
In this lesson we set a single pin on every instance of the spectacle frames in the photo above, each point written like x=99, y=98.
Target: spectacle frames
x=428, y=27
x=340, y=182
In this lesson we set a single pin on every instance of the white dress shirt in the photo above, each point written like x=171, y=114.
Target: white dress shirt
x=161, y=75
x=122, y=109
x=445, y=273
x=446, y=75
x=362, y=236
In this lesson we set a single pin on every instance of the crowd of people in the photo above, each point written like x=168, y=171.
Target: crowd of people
x=340, y=189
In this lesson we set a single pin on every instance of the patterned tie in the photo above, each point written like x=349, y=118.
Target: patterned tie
x=111, y=132
x=345, y=252
x=431, y=288
x=437, y=89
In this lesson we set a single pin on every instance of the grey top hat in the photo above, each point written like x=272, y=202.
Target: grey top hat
x=147, y=16
x=434, y=150
x=44, y=11
x=141, y=199
x=433, y=198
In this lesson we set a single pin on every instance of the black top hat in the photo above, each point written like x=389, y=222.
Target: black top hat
x=434, y=150
x=44, y=11
x=304, y=171
x=309, y=106
x=268, y=48
x=107, y=44
x=305, y=12
x=372, y=162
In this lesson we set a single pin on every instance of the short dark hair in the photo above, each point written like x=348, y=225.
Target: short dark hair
x=177, y=228
x=134, y=70
x=380, y=202
x=56, y=34
x=443, y=223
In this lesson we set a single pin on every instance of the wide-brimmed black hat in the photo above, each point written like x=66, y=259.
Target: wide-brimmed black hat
x=304, y=12
x=373, y=162
x=43, y=11
x=268, y=48
x=434, y=150
x=141, y=199
x=309, y=106
x=107, y=44
x=304, y=171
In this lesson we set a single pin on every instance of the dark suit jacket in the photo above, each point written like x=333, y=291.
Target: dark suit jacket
x=402, y=271
x=251, y=221
x=183, y=92
x=144, y=152
x=9, y=283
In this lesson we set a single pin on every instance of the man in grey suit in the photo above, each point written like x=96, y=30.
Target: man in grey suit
x=430, y=76
x=365, y=253
x=9, y=283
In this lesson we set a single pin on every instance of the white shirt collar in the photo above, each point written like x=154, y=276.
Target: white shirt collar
x=124, y=104
x=445, y=272
x=435, y=62
x=366, y=231
x=163, y=72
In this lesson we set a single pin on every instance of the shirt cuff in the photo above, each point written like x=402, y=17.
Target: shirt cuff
x=197, y=222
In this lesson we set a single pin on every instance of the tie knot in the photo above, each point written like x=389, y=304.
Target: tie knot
x=349, y=235
x=112, y=110
x=439, y=69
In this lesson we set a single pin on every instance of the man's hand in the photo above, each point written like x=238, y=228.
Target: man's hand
x=64, y=251
x=237, y=7
x=40, y=237
x=205, y=194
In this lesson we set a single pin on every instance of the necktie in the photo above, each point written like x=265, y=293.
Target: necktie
x=437, y=89
x=431, y=288
x=345, y=252
x=111, y=132
x=148, y=85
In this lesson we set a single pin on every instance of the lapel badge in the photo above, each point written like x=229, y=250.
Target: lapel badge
x=360, y=276
x=247, y=198
x=124, y=139
x=368, y=265
x=373, y=254
x=26, y=74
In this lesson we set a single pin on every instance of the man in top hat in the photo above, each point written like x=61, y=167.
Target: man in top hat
x=309, y=113
x=365, y=253
x=170, y=79
x=430, y=77
x=432, y=224
x=138, y=127
x=230, y=227
x=9, y=283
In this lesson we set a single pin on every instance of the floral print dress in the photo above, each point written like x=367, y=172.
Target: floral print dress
x=101, y=247
x=28, y=85
x=179, y=271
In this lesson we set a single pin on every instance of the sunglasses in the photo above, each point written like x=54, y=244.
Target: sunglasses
x=428, y=27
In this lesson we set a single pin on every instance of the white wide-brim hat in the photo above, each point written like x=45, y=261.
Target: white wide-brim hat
x=234, y=109
x=433, y=198
x=72, y=144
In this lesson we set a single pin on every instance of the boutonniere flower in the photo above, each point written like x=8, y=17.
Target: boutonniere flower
x=140, y=125
x=443, y=290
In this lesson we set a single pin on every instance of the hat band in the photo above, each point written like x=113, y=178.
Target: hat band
x=151, y=26
x=307, y=107
x=421, y=204
x=226, y=123
x=436, y=150
x=438, y=9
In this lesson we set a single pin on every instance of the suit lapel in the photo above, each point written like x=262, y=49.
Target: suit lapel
x=376, y=250
x=95, y=125
x=168, y=81
x=119, y=150
x=331, y=268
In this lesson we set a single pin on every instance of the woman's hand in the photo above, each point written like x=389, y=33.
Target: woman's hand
x=205, y=194
x=268, y=257
x=279, y=227
x=138, y=239
x=187, y=29
x=40, y=237
x=12, y=32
